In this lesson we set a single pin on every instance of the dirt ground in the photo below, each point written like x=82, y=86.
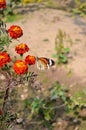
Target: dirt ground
x=40, y=29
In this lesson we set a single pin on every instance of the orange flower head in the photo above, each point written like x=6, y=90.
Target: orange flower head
x=21, y=48
x=20, y=67
x=30, y=60
x=4, y=59
x=2, y=3
x=15, y=31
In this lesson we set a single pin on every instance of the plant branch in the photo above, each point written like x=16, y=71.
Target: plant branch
x=6, y=95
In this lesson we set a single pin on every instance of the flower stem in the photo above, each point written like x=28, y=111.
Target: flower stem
x=6, y=95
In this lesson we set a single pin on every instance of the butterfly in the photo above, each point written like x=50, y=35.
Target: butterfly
x=44, y=63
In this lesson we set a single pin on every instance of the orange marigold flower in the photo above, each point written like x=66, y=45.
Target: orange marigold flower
x=2, y=3
x=21, y=48
x=30, y=60
x=20, y=67
x=15, y=31
x=4, y=58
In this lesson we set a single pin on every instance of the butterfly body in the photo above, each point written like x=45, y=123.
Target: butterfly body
x=44, y=63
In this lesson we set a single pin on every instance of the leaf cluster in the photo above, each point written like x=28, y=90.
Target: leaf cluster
x=80, y=8
x=61, y=51
x=4, y=38
x=45, y=109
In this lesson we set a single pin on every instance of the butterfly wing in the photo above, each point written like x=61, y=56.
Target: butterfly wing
x=51, y=62
x=44, y=63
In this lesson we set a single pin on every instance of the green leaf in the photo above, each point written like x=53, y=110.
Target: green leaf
x=47, y=116
x=63, y=58
x=66, y=50
x=54, y=97
x=76, y=11
x=48, y=113
x=1, y=49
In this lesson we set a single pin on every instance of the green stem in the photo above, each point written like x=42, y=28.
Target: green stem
x=21, y=56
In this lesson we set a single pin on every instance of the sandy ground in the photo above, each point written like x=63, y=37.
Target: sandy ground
x=40, y=29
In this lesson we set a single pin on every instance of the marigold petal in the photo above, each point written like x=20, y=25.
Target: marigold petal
x=2, y=3
x=15, y=31
x=4, y=58
x=20, y=67
x=21, y=48
x=30, y=60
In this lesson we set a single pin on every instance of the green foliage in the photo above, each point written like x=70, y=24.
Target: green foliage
x=12, y=18
x=44, y=109
x=4, y=38
x=80, y=8
x=57, y=91
x=5, y=120
x=61, y=51
x=9, y=14
x=76, y=102
x=36, y=105
x=79, y=98
x=15, y=1
x=7, y=11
